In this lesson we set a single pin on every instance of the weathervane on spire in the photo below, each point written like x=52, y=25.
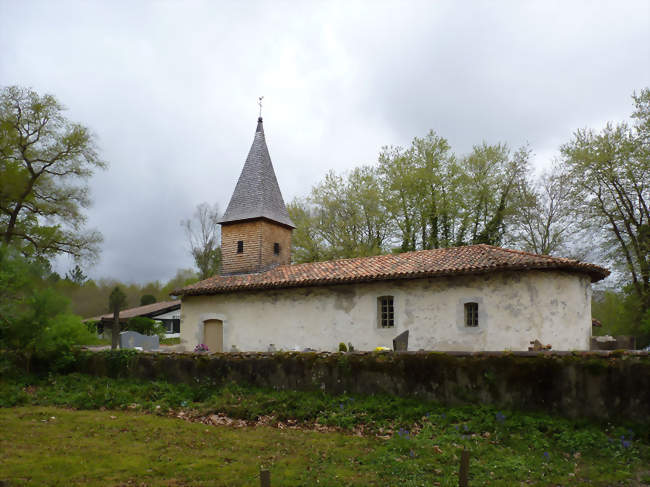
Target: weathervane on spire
x=259, y=102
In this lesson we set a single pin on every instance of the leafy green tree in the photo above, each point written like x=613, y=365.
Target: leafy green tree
x=609, y=172
x=203, y=235
x=34, y=319
x=45, y=160
x=423, y=191
x=116, y=302
x=351, y=219
x=493, y=174
x=399, y=177
x=438, y=200
x=343, y=217
x=76, y=275
x=147, y=299
x=423, y=197
x=306, y=244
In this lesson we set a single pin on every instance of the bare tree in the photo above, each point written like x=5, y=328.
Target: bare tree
x=543, y=221
x=203, y=234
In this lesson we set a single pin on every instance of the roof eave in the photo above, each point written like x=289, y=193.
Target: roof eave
x=596, y=274
x=231, y=221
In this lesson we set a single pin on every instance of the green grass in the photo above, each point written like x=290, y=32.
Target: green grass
x=405, y=442
x=50, y=446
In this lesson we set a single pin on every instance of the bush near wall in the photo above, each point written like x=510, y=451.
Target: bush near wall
x=602, y=385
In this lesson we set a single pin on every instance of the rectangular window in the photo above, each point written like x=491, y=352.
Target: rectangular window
x=240, y=247
x=276, y=248
x=385, y=312
x=471, y=314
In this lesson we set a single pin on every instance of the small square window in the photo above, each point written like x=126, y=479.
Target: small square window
x=240, y=247
x=276, y=248
x=385, y=312
x=471, y=314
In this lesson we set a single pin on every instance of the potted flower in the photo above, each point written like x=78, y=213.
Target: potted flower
x=201, y=348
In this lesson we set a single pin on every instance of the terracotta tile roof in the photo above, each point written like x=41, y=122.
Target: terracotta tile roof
x=146, y=310
x=474, y=259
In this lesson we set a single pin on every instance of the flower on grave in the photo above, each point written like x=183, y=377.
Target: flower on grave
x=201, y=348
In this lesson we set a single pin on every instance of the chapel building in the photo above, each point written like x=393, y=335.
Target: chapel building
x=471, y=298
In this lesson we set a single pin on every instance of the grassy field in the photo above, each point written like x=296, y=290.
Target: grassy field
x=303, y=438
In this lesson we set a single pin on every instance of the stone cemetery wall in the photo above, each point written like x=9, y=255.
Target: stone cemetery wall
x=604, y=385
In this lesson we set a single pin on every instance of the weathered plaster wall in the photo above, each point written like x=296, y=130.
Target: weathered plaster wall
x=514, y=308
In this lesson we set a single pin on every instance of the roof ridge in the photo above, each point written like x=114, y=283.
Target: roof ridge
x=530, y=254
x=410, y=252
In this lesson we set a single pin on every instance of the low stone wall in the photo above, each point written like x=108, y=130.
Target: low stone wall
x=604, y=385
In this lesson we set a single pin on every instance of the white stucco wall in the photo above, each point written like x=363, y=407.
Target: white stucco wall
x=514, y=308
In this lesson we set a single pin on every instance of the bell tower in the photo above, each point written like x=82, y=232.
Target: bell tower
x=256, y=227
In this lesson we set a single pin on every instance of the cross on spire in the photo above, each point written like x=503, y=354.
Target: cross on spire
x=259, y=102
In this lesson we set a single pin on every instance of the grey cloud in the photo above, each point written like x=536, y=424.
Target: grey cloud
x=170, y=89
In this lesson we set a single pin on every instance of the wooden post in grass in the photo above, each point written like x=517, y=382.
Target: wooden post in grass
x=463, y=473
x=265, y=478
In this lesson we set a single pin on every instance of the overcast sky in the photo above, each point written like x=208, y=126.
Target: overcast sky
x=170, y=90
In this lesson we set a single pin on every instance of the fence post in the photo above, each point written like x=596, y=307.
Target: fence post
x=265, y=478
x=463, y=473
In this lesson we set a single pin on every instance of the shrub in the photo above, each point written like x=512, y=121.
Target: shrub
x=59, y=338
x=343, y=347
x=34, y=319
x=145, y=326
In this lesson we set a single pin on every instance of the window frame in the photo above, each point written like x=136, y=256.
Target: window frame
x=386, y=312
x=471, y=314
x=483, y=315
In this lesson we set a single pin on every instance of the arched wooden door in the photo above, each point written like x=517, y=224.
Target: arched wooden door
x=213, y=335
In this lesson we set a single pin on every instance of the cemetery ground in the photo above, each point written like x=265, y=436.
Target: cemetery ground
x=81, y=430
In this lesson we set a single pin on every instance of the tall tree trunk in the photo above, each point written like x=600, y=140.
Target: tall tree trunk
x=115, y=332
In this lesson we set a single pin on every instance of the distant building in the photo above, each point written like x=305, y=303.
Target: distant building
x=166, y=312
x=472, y=298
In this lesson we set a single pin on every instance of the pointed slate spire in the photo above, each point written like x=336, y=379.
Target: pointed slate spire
x=257, y=194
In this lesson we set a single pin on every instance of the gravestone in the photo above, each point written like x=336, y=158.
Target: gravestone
x=133, y=339
x=401, y=342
